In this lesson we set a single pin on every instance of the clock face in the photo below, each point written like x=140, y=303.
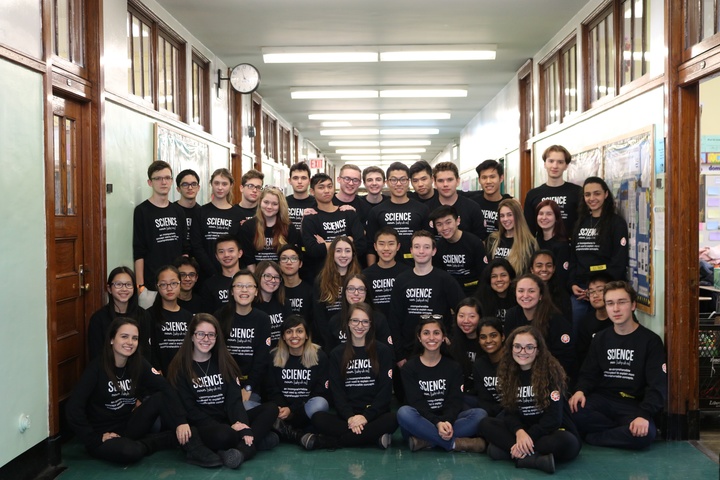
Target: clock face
x=245, y=78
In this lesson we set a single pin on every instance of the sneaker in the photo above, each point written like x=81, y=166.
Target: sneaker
x=544, y=463
x=384, y=441
x=231, y=458
x=308, y=441
x=416, y=444
x=268, y=442
x=472, y=445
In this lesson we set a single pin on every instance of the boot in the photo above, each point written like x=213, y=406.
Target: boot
x=158, y=441
x=497, y=453
x=544, y=463
x=198, y=454
x=287, y=432
x=312, y=441
x=268, y=442
x=473, y=445
x=416, y=444
x=231, y=457
x=384, y=441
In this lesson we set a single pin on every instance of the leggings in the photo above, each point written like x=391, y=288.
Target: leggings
x=221, y=436
x=564, y=445
x=333, y=426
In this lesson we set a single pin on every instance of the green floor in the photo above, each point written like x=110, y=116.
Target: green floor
x=672, y=460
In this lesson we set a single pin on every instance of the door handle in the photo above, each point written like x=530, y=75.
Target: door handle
x=84, y=287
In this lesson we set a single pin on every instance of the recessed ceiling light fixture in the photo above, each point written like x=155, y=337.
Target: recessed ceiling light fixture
x=405, y=143
x=409, y=131
x=314, y=94
x=350, y=132
x=336, y=124
x=355, y=143
x=437, y=53
x=386, y=53
x=343, y=116
x=415, y=116
x=423, y=93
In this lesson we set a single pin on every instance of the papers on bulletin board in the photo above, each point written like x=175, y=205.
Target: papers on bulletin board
x=710, y=225
x=710, y=143
x=659, y=228
x=714, y=236
x=713, y=191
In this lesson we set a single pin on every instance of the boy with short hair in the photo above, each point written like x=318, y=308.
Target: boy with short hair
x=447, y=180
x=216, y=290
x=598, y=319
x=300, y=199
x=349, y=180
x=382, y=274
x=459, y=253
x=623, y=383
x=159, y=228
x=374, y=181
x=188, y=186
x=189, y=274
x=556, y=160
x=251, y=184
x=421, y=177
x=490, y=174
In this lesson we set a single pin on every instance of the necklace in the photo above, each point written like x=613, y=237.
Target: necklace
x=594, y=224
x=120, y=377
x=206, y=370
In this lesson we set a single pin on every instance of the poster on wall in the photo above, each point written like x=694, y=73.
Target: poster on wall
x=585, y=164
x=182, y=151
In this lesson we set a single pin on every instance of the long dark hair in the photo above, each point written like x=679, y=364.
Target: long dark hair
x=182, y=363
x=157, y=310
x=260, y=268
x=132, y=307
x=370, y=342
x=608, y=208
x=456, y=345
x=487, y=296
x=227, y=313
x=547, y=373
x=330, y=278
x=133, y=367
x=545, y=308
x=345, y=305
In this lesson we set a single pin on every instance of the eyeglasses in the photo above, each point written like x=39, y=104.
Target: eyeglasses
x=244, y=286
x=252, y=187
x=202, y=335
x=598, y=292
x=395, y=180
x=162, y=179
x=270, y=278
x=293, y=259
x=352, y=289
x=619, y=303
x=165, y=286
x=517, y=348
x=431, y=316
x=359, y=321
x=188, y=274
x=122, y=284
x=189, y=185
x=354, y=181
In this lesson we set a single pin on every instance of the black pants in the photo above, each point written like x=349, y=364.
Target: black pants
x=564, y=445
x=128, y=447
x=221, y=436
x=333, y=426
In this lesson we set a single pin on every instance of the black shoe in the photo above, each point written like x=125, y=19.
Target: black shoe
x=312, y=441
x=158, y=441
x=384, y=441
x=287, y=432
x=544, y=463
x=198, y=454
x=497, y=453
x=308, y=441
x=231, y=457
x=268, y=442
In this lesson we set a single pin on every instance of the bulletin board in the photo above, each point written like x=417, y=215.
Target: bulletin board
x=182, y=151
x=627, y=166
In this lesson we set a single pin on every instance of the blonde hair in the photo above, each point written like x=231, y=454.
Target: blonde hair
x=281, y=353
x=524, y=244
x=282, y=222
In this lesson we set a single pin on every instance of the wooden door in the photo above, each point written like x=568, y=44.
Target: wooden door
x=67, y=320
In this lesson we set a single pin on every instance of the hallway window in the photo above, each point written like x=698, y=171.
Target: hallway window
x=200, y=90
x=601, y=56
x=68, y=28
x=702, y=22
x=558, y=84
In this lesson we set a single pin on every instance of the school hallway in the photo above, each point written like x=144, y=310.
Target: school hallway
x=664, y=460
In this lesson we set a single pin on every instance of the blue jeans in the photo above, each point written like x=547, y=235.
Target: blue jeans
x=465, y=425
x=314, y=405
x=252, y=402
x=580, y=310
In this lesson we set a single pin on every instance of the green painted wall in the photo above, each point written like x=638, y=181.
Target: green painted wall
x=23, y=260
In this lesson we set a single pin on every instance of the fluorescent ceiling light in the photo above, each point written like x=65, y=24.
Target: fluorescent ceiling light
x=405, y=143
x=353, y=132
x=401, y=157
x=343, y=116
x=361, y=158
x=319, y=54
x=310, y=94
x=437, y=55
x=358, y=151
x=354, y=143
x=415, y=116
x=336, y=124
x=387, y=151
x=410, y=131
x=423, y=93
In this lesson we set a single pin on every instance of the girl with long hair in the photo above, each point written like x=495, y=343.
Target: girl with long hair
x=434, y=415
x=104, y=413
x=464, y=345
x=122, y=302
x=361, y=386
x=536, y=429
x=535, y=307
x=298, y=379
x=268, y=230
x=215, y=218
x=491, y=339
x=169, y=320
x=551, y=235
x=247, y=335
x=356, y=289
x=600, y=243
x=341, y=262
x=271, y=299
x=513, y=239
x=544, y=264
x=495, y=290
x=207, y=380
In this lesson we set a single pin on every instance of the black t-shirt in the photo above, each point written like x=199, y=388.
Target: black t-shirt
x=413, y=194
x=297, y=207
x=471, y=216
x=337, y=331
x=329, y=225
x=567, y=196
x=362, y=208
x=486, y=380
x=211, y=223
x=246, y=213
x=294, y=384
x=382, y=281
x=251, y=255
x=590, y=325
x=593, y=252
x=465, y=260
x=277, y=313
x=435, y=392
x=216, y=293
x=248, y=341
x=489, y=211
x=561, y=252
x=406, y=218
x=194, y=305
x=299, y=299
x=502, y=250
x=168, y=334
x=191, y=215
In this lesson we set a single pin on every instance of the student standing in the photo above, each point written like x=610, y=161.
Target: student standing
x=447, y=180
x=552, y=236
x=216, y=291
x=434, y=415
x=566, y=195
x=218, y=217
x=382, y=274
x=361, y=386
x=300, y=199
x=405, y=215
x=159, y=228
x=513, y=239
x=421, y=178
x=251, y=184
x=349, y=180
x=490, y=176
x=623, y=383
x=535, y=430
x=188, y=186
x=374, y=181
x=169, y=321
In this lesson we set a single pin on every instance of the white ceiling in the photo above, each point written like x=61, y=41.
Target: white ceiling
x=236, y=31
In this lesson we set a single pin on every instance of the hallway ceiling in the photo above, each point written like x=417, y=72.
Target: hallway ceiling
x=237, y=30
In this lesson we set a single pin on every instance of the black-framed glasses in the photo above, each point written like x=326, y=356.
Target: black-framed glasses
x=122, y=284
x=202, y=335
x=354, y=181
x=165, y=286
x=252, y=187
x=268, y=277
x=530, y=348
x=353, y=289
x=188, y=275
x=187, y=185
x=359, y=321
x=395, y=180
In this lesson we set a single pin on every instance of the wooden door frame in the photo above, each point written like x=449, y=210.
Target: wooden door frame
x=526, y=119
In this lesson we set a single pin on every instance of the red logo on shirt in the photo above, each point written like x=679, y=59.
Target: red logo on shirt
x=565, y=338
x=555, y=396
